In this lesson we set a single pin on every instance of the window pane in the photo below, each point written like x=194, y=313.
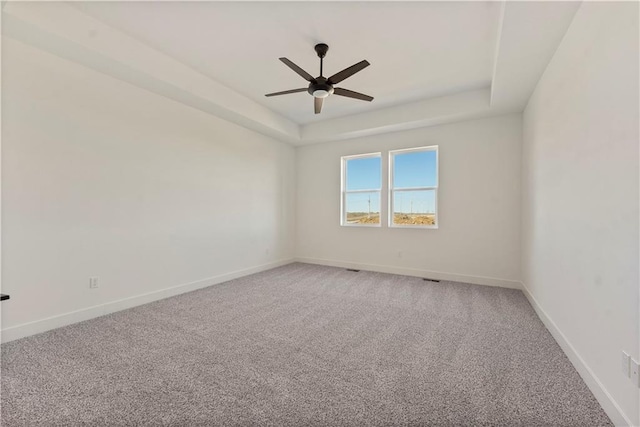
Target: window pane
x=362, y=208
x=363, y=174
x=414, y=207
x=415, y=169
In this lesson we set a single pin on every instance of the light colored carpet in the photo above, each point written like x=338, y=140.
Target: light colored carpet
x=303, y=345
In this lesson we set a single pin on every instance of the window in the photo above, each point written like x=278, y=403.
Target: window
x=361, y=182
x=413, y=187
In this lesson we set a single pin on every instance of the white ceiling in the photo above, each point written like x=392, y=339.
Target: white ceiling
x=431, y=62
x=416, y=50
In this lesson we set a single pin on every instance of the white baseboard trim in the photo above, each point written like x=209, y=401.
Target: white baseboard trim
x=438, y=275
x=609, y=405
x=43, y=325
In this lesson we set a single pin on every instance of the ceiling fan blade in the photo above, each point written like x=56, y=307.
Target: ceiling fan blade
x=308, y=77
x=317, y=104
x=351, y=94
x=284, y=92
x=348, y=72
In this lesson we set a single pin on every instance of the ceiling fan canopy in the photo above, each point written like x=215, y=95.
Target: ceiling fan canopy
x=321, y=87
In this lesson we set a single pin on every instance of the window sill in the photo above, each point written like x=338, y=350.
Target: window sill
x=424, y=227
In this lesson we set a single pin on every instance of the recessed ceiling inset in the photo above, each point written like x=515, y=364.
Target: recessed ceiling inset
x=321, y=87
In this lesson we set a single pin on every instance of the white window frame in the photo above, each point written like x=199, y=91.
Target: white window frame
x=344, y=192
x=392, y=190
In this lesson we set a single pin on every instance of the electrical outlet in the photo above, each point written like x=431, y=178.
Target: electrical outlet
x=635, y=373
x=626, y=364
x=93, y=282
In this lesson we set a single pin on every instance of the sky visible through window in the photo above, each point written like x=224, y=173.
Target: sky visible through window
x=363, y=174
x=417, y=169
x=412, y=169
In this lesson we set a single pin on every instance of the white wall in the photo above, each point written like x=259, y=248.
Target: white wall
x=580, y=198
x=478, y=239
x=101, y=178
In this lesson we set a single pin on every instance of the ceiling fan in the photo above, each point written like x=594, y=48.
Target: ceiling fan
x=321, y=87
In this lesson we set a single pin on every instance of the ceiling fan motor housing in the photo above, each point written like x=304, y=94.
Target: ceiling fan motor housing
x=320, y=88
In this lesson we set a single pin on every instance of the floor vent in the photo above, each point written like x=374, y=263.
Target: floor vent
x=353, y=269
x=431, y=280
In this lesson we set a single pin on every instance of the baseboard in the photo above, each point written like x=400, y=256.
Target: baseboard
x=609, y=405
x=43, y=325
x=438, y=275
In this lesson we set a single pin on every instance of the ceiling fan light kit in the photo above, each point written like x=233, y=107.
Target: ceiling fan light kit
x=321, y=87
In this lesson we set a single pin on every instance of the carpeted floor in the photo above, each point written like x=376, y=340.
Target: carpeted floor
x=303, y=345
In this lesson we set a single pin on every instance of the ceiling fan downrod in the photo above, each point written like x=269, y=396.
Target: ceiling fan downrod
x=321, y=50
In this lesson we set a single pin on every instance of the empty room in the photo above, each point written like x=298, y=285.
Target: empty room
x=320, y=213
